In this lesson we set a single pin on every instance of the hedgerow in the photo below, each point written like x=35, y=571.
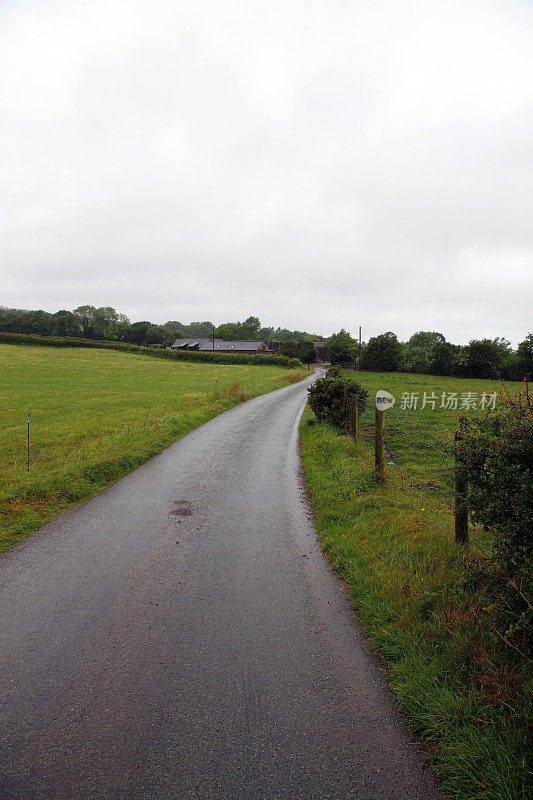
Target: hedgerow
x=495, y=455
x=175, y=355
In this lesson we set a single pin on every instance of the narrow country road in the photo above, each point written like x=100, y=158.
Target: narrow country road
x=181, y=636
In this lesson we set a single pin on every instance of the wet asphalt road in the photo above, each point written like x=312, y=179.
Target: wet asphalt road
x=181, y=636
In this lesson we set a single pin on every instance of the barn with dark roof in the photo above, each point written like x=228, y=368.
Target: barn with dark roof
x=251, y=348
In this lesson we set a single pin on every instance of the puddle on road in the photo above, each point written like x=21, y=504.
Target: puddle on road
x=182, y=508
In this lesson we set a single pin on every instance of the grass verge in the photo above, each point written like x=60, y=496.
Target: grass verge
x=96, y=415
x=460, y=691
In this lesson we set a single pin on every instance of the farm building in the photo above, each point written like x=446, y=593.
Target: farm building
x=251, y=348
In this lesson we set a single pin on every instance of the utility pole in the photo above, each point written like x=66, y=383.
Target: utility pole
x=213, y=337
x=359, y=359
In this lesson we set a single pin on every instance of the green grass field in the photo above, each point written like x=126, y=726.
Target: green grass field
x=393, y=544
x=419, y=440
x=97, y=414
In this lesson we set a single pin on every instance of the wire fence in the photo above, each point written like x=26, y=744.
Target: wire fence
x=414, y=457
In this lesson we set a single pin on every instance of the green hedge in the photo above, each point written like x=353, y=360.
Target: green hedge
x=174, y=355
x=327, y=398
x=495, y=455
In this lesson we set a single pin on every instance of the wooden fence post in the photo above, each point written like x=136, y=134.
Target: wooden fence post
x=355, y=415
x=380, y=444
x=461, y=510
x=345, y=407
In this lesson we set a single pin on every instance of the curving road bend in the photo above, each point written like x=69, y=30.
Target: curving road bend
x=180, y=636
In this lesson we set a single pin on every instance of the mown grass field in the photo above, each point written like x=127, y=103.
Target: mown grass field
x=97, y=414
x=393, y=544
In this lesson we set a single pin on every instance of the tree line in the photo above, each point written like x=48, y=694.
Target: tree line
x=106, y=324
x=429, y=353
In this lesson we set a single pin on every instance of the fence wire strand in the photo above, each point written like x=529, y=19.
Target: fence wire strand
x=427, y=488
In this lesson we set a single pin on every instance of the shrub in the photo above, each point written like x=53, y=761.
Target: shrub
x=496, y=456
x=326, y=398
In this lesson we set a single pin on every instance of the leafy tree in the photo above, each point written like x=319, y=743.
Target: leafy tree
x=341, y=347
x=307, y=352
x=155, y=334
x=382, y=354
x=525, y=356
x=416, y=354
x=86, y=316
x=171, y=336
x=136, y=333
x=266, y=334
x=229, y=331
x=415, y=359
x=199, y=330
x=101, y=323
x=426, y=339
x=39, y=322
x=65, y=323
x=486, y=358
x=289, y=348
x=233, y=331
x=250, y=328
x=444, y=358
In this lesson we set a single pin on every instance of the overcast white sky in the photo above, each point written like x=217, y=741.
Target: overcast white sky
x=317, y=164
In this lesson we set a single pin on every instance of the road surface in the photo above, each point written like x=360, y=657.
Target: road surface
x=180, y=635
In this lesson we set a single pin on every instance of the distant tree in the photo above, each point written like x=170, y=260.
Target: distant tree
x=382, y=354
x=229, y=331
x=426, y=339
x=101, y=323
x=250, y=328
x=444, y=358
x=416, y=353
x=136, y=333
x=486, y=358
x=13, y=321
x=266, y=334
x=525, y=357
x=307, y=352
x=65, y=323
x=341, y=347
x=200, y=330
x=233, y=331
x=38, y=322
x=86, y=315
x=173, y=325
x=290, y=348
x=155, y=334
x=415, y=359
x=304, y=350
x=171, y=336
x=107, y=321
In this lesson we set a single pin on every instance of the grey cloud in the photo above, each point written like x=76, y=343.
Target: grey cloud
x=318, y=165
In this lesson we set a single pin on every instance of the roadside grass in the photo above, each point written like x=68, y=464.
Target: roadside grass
x=394, y=546
x=97, y=414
